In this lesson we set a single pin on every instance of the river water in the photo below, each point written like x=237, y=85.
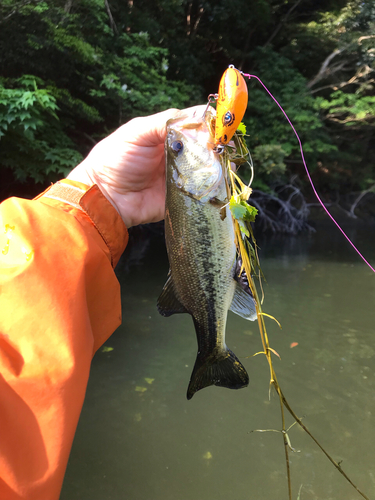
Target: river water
x=140, y=439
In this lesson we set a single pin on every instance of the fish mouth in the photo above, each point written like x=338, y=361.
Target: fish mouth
x=192, y=127
x=193, y=117
x=186, y=121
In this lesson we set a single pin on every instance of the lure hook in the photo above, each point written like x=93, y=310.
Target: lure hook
x=219, y=148
x=211, y=98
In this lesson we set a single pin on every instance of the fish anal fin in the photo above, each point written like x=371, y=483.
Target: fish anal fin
x=168, y=302
x=223, y=370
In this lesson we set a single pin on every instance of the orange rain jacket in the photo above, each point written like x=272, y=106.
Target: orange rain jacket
x=60, y=300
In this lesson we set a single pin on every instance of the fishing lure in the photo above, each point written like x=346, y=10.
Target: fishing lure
x=231, y=106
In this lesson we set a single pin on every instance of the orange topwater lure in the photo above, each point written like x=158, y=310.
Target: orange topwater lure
x=231, y=105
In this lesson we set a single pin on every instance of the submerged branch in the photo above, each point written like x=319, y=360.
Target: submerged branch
x=280, y=215
x=286, y=446
x=299, y=422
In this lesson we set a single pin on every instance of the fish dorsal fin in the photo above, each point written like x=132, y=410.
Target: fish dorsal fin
x=243, y=302
x=168, y=302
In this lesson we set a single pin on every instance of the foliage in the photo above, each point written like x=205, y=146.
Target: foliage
x=85, y=81
x=265, y=123
x=135, y=81
x=342, y=83
x=30, y=128
x=269, y=159
x=97, y=64
x=349, y=109
x=242, y=212
x=272, y=140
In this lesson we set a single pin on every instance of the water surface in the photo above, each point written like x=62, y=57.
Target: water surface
x=139, y=438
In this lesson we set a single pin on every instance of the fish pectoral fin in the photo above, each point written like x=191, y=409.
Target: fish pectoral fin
x=168, y=302
x=223, y=369
x=243, y=303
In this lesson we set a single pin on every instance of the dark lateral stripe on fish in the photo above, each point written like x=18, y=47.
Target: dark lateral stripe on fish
x=224, y=370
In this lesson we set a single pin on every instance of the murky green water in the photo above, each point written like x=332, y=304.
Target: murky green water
x=140, y=439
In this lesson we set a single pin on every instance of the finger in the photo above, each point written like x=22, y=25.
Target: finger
x=197, y=110
x=156, y=131
x=194, y=112
x=148, y=130
x=160, y=128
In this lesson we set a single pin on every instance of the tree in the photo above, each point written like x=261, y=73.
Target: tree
x=101, y=62
x=342, y=84
x=69, y=78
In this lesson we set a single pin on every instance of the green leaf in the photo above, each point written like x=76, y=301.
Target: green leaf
x=242, y=128
x=241, y=210
x=237, y=208
x=243, y=228
x=361, y=115
x=251, y=212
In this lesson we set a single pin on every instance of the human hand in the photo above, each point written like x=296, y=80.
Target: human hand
x=129, y=167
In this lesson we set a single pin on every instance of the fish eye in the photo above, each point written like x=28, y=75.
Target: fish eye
x=228, y=118
x=177, y=147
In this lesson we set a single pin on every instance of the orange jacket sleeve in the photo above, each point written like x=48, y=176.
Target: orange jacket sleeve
x=60, y=300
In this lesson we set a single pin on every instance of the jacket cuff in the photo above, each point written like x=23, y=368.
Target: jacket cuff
x=99, y=210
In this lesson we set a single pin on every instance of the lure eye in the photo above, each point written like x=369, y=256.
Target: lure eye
x=177, y=147
x=228, y=118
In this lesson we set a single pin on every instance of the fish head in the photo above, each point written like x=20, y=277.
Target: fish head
x=192, y=165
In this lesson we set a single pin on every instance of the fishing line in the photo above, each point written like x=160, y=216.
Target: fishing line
x=307, y=171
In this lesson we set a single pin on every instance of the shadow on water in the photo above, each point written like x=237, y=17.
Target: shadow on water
x=139, y=438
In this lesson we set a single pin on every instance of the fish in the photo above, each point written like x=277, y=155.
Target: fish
x=205, y=278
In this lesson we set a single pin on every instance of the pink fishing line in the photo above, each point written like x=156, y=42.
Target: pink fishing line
x=307, y=171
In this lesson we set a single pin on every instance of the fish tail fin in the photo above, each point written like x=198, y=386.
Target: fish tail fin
x=222, y=369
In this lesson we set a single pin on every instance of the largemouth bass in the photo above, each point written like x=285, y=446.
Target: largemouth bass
x=204, y=278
